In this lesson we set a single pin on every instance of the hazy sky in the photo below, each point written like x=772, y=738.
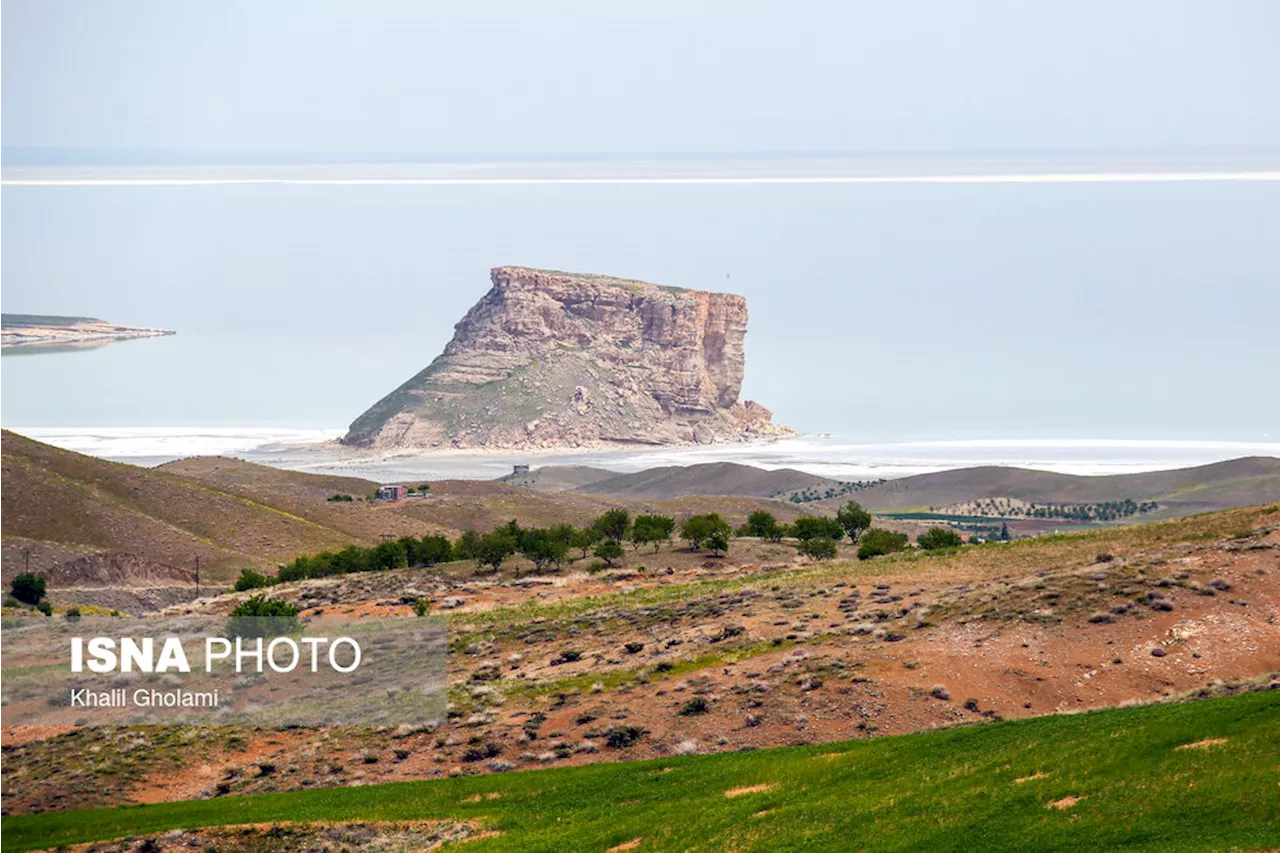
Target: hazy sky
x=646, y=76
x=888, y=310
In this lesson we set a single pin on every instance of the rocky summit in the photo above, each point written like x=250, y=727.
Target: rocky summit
x=551, y=359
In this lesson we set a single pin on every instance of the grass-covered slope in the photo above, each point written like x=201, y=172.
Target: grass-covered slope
x=1193, y=776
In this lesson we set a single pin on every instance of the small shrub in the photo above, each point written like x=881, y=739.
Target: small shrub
x=971, y=704
x=633, y=648
x=73, y=614
x=1102, y=618
x=481, y=752
x=570, y=655
x=421, y=606
x=28, y=588
x=820, y=548
x=939, y=691
x=45, y=607
x=1104, y=558
x=939, y=537
x=249, y=579
x=621, y=737
x=696, y=705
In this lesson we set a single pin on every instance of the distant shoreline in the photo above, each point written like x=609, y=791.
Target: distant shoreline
x=64, y=333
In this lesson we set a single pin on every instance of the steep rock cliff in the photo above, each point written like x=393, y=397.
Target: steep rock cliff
x=552, y=359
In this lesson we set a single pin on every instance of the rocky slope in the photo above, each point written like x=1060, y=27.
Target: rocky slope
x=551, y=359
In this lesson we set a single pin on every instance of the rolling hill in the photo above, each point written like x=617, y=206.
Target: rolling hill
x=60, y=508
x=1182, y=491
x=711, y=478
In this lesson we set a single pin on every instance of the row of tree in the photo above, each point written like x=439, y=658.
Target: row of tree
x=604, y=539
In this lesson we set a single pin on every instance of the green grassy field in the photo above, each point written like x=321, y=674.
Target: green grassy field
x=955, y=789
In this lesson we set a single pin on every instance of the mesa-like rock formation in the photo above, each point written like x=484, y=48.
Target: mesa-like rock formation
x=553, y=359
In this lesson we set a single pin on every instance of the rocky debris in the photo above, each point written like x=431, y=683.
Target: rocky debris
x=550, y=359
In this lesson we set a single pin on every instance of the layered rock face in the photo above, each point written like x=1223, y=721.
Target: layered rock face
x=552, y=359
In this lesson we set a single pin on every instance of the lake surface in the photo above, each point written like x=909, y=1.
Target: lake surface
x=881, y=313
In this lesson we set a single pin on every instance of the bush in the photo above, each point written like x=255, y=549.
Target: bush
x=28, y=588
x=810, y=527
x=45, y=607
x=344, y=499
x=249, y=579
x=939, y=691
x=821, y=548
x=696, y=705
x=633, y=648
x=73, y=614
x=481, y=752
x=877, y=541
x=260, y=616
x=939, y=537
x=421, y=606
x=621, y=737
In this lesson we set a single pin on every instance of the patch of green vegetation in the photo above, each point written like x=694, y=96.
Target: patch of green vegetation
x=1096, y=781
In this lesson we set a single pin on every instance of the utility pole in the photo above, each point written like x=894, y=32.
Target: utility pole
x=197, y=576
x=26, y=560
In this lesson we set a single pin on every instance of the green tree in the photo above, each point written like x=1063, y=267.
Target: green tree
x=820, y=548
x=410, y=546
x=249, y=579
x=762, y=524
x=939, y=537
x=1004, y=532
x=28, y=588
x=260, y=616
x=613, y=524
x=699, y=528
x=877, y=541
x=495, y=547
x=434, y=549
x=541, y=548
x=853, y=519
x=609, y=550
x=45, y=607
x=718, y=543
x=467, y=545
x=812, y=527
x=389, y=555
x=73, y=614
x=584, y=539
x=652, y=528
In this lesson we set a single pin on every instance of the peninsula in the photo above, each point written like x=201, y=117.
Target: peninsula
x=49, y=331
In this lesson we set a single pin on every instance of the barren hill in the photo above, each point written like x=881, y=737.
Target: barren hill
x=712, y=478
x=81, y=520
x=1236, y=482
x=552, y=359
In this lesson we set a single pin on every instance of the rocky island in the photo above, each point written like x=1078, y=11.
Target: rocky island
x=552, y=359
x=49, y=331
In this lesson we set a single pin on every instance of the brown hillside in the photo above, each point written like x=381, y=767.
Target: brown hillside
x=1237, y=482
x=712, y=478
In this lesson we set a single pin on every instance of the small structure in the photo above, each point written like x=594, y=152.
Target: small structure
x=519, y=469
x=392, y=493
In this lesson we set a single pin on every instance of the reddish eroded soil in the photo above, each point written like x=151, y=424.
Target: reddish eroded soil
x=824, y=653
